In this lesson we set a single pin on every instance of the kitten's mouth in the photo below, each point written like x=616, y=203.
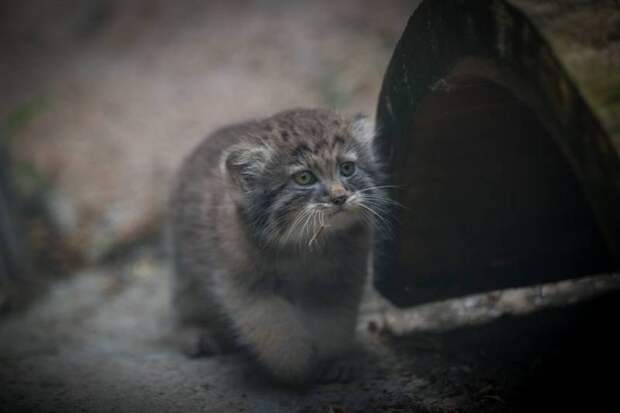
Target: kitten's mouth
x=347, y=207
x=336, y=210
x=340, y=216
x=335, y=218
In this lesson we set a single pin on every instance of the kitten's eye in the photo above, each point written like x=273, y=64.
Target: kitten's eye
x=304, y=178
x=347, y=168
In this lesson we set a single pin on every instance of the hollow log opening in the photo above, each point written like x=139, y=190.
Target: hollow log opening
x=491, y=201
x=493, y=154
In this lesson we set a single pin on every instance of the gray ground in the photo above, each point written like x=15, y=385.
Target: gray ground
x=100, y=342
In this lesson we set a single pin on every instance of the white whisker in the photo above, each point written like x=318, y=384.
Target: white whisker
x=374, y=188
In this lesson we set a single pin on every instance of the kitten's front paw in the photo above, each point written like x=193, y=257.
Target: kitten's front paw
x=338, y=371
x=293, y=365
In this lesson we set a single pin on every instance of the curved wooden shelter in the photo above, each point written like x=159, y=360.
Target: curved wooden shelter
x=500, y=121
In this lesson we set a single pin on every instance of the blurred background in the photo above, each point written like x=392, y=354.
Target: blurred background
x=101, y=99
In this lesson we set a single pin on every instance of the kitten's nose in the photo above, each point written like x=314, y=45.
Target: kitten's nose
x=337, y=194
x=339, y=199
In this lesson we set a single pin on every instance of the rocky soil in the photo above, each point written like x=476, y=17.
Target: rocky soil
x=101, y=342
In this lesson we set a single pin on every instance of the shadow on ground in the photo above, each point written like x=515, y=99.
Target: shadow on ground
x=98, y=343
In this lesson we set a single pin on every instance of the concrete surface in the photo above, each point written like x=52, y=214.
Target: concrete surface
x=100, y=341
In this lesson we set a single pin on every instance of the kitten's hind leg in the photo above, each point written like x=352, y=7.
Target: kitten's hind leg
x=200, y=330
x=197, y=341
x=339, y=371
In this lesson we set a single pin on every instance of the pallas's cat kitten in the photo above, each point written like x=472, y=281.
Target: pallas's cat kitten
x=272, y=222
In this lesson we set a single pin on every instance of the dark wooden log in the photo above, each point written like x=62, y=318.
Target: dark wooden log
x=508, y=175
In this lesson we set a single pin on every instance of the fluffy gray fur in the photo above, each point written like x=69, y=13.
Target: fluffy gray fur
x=265, y=263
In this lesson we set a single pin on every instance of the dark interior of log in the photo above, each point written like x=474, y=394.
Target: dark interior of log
x=491, y=202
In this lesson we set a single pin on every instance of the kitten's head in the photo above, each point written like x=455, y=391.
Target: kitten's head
x=306, y=174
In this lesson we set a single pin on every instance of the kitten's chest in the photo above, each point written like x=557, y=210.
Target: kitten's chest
x=295, y=268
x=322, y=280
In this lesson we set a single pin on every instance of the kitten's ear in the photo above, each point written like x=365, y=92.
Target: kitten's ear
x=363, y=129
x=243, y=163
